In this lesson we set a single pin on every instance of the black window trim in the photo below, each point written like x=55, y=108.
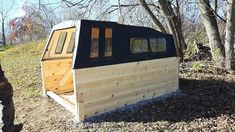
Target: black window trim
x=108, y=57
x=149, y=53
x=100, y=58
x=94, y=59
x=160, y=51
x=143, y=53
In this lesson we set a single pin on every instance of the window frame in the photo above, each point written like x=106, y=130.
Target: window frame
x=150, y=53
x=63, y=43
x=144, y=38
x=157, y=39
x=72, y=38
x=98, y=47
x=108, y=56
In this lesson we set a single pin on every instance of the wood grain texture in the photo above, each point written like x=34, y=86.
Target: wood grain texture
x=58, y=75
x=50, y=50
x=100, y=89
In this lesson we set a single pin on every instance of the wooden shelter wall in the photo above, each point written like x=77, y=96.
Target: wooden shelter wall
x=58, y=75
x=100, y=89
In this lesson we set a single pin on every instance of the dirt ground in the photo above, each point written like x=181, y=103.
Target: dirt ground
x=205, y=102
x=201, y=105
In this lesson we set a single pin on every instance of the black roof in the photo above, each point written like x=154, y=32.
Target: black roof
x=121, y=35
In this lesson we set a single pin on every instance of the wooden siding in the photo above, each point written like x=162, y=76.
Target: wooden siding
x=100, y=89
x=57, y=75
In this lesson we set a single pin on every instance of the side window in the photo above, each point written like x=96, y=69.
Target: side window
x=158, y=44
x=108, y=42
x=139, y=45
x=60, y=43
x=71, y=43
x=94, y=53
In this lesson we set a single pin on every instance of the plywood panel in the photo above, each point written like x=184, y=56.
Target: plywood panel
x=58, y=75
x=50, y=49
x=104, y=88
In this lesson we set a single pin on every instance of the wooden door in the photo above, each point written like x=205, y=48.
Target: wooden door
x=57, y=61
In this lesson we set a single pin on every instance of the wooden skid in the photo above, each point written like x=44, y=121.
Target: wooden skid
x=62, y=101
x=100, y=89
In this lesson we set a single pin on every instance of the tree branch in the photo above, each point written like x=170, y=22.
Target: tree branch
x=152, y=16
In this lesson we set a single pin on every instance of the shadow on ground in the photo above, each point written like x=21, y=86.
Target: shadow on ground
x=197, y=99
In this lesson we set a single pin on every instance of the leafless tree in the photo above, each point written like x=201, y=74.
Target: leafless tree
x=211, y=26
x=6, y=7
x=173, y=22
x=229, y=36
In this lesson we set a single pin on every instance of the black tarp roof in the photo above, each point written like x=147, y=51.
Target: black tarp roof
x=120, y=44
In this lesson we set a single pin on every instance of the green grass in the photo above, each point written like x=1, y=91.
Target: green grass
x=21, y=64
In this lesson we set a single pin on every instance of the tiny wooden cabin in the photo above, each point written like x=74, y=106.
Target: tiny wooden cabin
x=91, y=67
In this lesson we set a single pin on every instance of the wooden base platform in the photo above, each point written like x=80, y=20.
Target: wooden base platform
x=101, y=89
x=67, y=100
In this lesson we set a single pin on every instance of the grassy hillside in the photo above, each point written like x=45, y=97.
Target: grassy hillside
x=22, y=67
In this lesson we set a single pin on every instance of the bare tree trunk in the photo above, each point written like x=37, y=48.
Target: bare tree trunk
x=212, y=31
x=3, y=32
x=229, y=37
x=152, y=16
x=178, y=21
x=174, y=25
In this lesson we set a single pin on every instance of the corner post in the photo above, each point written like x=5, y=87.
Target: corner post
x=44, y=92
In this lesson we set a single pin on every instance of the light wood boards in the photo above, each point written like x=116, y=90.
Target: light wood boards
x=57, y=75
x=70, y=97
x=65, y=103
x=105, y=88
x=50, y=49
